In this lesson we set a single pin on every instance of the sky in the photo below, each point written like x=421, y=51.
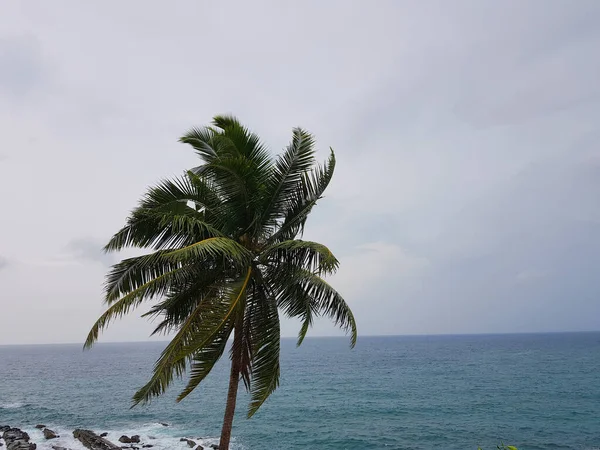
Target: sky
x=465, y=198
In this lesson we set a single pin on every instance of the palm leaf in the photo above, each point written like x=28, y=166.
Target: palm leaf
x=209, y=342
x=303, y=294
x=212, y=248
x=299, y=205
x=153, y=287
x=133, y=273
x=286, y=175
x=164, y=218
x=297, y=253
x=210, y=317
x=266, y=336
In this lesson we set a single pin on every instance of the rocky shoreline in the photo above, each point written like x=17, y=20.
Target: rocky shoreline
x=17, y=439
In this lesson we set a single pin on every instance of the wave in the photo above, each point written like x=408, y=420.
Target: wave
x=12, y=405
x=160, y=437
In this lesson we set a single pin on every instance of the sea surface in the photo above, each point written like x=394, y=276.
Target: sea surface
x=538, y=391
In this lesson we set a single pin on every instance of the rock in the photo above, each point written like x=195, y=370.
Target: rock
x=147, y=445
x=17, y=440
x=49, y=434
x=92, y=441
x=125, y=439
x=199, y=448
x=56, y=447
x=39, y=427
x=151, y=437
x=4, y=428
x=104, y=434
x=135, y=439
x=183, y=440
x=191, y=443
x=214, y=446
x=164, y=424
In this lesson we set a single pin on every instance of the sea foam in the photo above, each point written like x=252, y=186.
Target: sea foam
x=160, y=437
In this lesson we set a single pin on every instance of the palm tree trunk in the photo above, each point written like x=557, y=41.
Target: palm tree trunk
x=234, y=378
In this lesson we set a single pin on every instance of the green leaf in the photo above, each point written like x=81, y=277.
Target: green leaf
x=211, y=248
x=159, y=219
x=210, y=340
x=310, y=189
x=308, y=255
x=266, y=337
x=304, y=294
x=200, y=330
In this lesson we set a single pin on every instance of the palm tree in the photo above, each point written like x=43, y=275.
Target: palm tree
x=225, y=260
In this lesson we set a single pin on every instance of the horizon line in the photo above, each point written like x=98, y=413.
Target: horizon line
x=501, y=333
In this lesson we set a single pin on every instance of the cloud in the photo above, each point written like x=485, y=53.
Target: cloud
x=465, y=192
x=3, y=263
x=21, y=65
x=90, y=250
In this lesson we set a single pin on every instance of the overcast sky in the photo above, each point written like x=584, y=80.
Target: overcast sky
x=466, y=196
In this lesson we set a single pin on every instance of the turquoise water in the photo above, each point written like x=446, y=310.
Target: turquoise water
x=444, y=392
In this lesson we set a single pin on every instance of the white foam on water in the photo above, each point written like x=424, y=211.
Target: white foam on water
x=160, y=437
x=12, y=405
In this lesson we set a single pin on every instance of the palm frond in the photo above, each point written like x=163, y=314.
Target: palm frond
x=134, y=273
x=202, y=140
x=246, y=143
x=286, y=175
x=300, y=204
x=266, y=337
x=222, y=248
x=164, y=218
x=153, y=287
x=209, y=342
x=182, y=299
x=304, y=254
x=304, y=294
x=204, y=359
x=209, y=318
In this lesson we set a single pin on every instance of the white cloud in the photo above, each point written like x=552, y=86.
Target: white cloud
x=465, y=134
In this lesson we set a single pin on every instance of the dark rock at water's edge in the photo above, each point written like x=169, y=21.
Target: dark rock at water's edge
x=135, y=439
x=49, y=434
x=56, y=447
x=214, y=446
x=4, y=428
x=17, y=440
x=164, y=424
x=104, y=434
x=147, y=446
x=92, y=441
x=39, y=427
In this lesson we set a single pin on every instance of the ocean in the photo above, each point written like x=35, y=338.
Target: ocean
x=536, y=391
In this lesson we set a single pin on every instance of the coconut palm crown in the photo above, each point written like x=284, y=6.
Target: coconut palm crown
x=225, y=260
